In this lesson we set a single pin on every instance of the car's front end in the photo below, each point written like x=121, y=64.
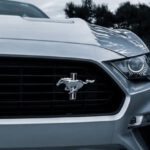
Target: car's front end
x=73, y=86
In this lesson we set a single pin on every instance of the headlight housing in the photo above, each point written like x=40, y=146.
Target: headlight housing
x=135, y=67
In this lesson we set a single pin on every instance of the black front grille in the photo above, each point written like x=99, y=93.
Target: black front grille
x=28, y=89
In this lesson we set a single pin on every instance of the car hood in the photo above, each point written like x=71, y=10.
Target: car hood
x=74, y=31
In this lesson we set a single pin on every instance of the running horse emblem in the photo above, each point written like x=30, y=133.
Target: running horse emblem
x=73, y=85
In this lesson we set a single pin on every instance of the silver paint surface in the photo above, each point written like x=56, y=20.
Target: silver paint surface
x=122, y=41
x=75, y=31
x=74, y=39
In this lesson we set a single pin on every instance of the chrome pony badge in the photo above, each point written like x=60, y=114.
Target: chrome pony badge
x=73, y=85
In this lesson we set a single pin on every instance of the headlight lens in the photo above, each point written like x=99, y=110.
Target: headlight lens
x=134, y=68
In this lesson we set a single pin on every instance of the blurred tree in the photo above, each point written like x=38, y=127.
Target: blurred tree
x=126, y=16
x=129, y=16
x=143, y=20
x=103, y=16
x=71, y=10
x=132, y=17
x=91, y=13
x=85, y=11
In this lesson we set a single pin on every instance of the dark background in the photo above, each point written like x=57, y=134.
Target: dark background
x=128, y=16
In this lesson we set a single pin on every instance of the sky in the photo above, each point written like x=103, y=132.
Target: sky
x=54, y=8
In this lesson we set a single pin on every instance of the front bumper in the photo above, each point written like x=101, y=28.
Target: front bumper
x=50, y=136
x=87, y=135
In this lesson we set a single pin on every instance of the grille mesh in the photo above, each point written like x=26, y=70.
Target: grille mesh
x=28, y=89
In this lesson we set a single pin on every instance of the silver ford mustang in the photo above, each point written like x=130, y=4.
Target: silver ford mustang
x=70, y=85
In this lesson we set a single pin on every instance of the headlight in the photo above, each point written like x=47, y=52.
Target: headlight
x=134, y=68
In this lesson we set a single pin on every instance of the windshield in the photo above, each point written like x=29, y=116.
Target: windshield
x=20, y=9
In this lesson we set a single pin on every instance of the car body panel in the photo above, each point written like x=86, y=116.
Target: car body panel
x=55, y=49
x=74, y=31
x=122, y=41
